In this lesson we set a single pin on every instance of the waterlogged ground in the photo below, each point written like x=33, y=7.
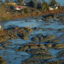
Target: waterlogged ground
x=52, y=45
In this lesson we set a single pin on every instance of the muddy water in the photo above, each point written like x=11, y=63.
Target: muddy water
x=50, y=27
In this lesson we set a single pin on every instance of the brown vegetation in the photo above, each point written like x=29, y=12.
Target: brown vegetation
x=2, y=61
x=6, y=14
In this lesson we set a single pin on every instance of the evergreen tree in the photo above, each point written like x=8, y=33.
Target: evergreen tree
x=45, y=6
x=53, y=2
x=20, y=1
x=31, y=3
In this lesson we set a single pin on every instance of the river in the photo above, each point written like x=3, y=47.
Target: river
x=16, y=57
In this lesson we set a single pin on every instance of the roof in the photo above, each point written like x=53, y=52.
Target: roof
x=19, y=6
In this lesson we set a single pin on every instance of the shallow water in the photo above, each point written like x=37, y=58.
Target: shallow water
x=15, y=57
x=50, y=27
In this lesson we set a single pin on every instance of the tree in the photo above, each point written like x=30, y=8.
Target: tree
x=45, y=6
x=53, y=2
x=31, y=3
x=20, y=0
x=39, y=6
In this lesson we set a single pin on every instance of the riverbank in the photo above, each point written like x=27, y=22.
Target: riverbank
x=6, y=15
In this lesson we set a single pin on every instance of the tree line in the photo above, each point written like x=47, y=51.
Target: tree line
x=44, y=5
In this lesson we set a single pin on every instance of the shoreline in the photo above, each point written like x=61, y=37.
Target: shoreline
x=31, y=15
